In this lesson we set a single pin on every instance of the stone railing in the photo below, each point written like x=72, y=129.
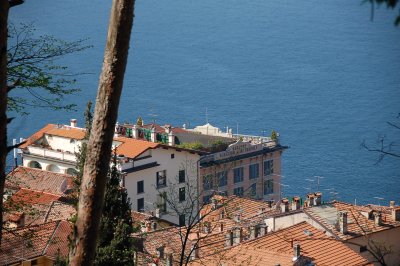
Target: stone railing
x=55, y=154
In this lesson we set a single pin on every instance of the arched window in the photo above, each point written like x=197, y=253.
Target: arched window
x=72, y=171
x=53, y=168
x=35, y=164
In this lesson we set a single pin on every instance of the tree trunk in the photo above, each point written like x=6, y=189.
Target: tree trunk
x=4, y=6
x=100, y=141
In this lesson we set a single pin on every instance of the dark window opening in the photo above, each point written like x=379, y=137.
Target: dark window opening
x=140, y=187
x=181, y=176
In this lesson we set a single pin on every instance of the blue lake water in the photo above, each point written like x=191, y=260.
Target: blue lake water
x=319, y=72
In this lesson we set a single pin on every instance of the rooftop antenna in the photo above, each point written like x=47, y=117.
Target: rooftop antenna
x=237, y=129
x=334, y=194
x=318, y=178
x=379, y=200
x=206, y=116
x=154, y=117
x=310, y=181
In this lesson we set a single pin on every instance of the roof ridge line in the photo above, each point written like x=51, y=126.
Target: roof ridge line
x=38, y=191
x=51, y=237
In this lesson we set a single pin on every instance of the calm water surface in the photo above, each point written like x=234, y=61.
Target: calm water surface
x=319, y=72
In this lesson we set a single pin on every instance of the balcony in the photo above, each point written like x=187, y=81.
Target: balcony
x=50, y=153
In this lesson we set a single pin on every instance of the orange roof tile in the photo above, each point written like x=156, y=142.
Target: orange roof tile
x=132, y=148
x=314, y=244
x=27, y=196
x=67, y=132
x=358, y=223
x=40, y=180
x=59, y=211
x=30, y=242
x=233, y=205
x=36, y=136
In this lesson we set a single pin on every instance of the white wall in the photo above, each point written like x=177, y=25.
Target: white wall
x=63, y=144
x=181, y=160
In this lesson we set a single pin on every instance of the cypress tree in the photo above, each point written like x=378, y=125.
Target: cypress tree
x=115, y=245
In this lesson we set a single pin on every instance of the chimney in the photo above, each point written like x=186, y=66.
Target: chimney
x=296, y=252
x=284, y=205
x=148, y=226
x=318, y=198
x=73, y=122
x=135, y=132
x=392, y=204
x=169, y=259
x=396, y=214
x=252, y=232
x=194, y=253
x=238, y=235
x=310, y=197
x=153, y=226
x=228, y=238
x=214, y=203
x=153, y=135
x=378, y=218
x=261, y=210
x=342, y=220
x=296, y=203
x=269, y=203
x=167, y=129
x=207, y=227
x=236, y=217
x=157, y=213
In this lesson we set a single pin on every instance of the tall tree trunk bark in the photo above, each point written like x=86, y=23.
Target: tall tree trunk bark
x=4, y=7
x=100, y=141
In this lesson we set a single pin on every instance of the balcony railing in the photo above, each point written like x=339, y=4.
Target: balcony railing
x=54, y=154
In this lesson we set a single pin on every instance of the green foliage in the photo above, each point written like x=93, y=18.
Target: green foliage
x=274, y=135
x=192, y=146
x=115, y=245
x=218, y=145
x=59, y=260
x=82, y=150
x=139, y=121
x=31, y=66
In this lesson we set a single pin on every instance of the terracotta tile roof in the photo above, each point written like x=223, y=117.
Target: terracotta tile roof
x=55, y=130
x=37, y=135
x=58, y=245
x=31, y=197
x=358, y=223
x=33, y=204
x=30, y=242
x=59, y=211
x=144, y=220
x=170, y=239
x=67, y=132
x=314, y=244
x=132, y=148
x=40, y=180
x=267, y=250
x=241, y=255
x=234, y=205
